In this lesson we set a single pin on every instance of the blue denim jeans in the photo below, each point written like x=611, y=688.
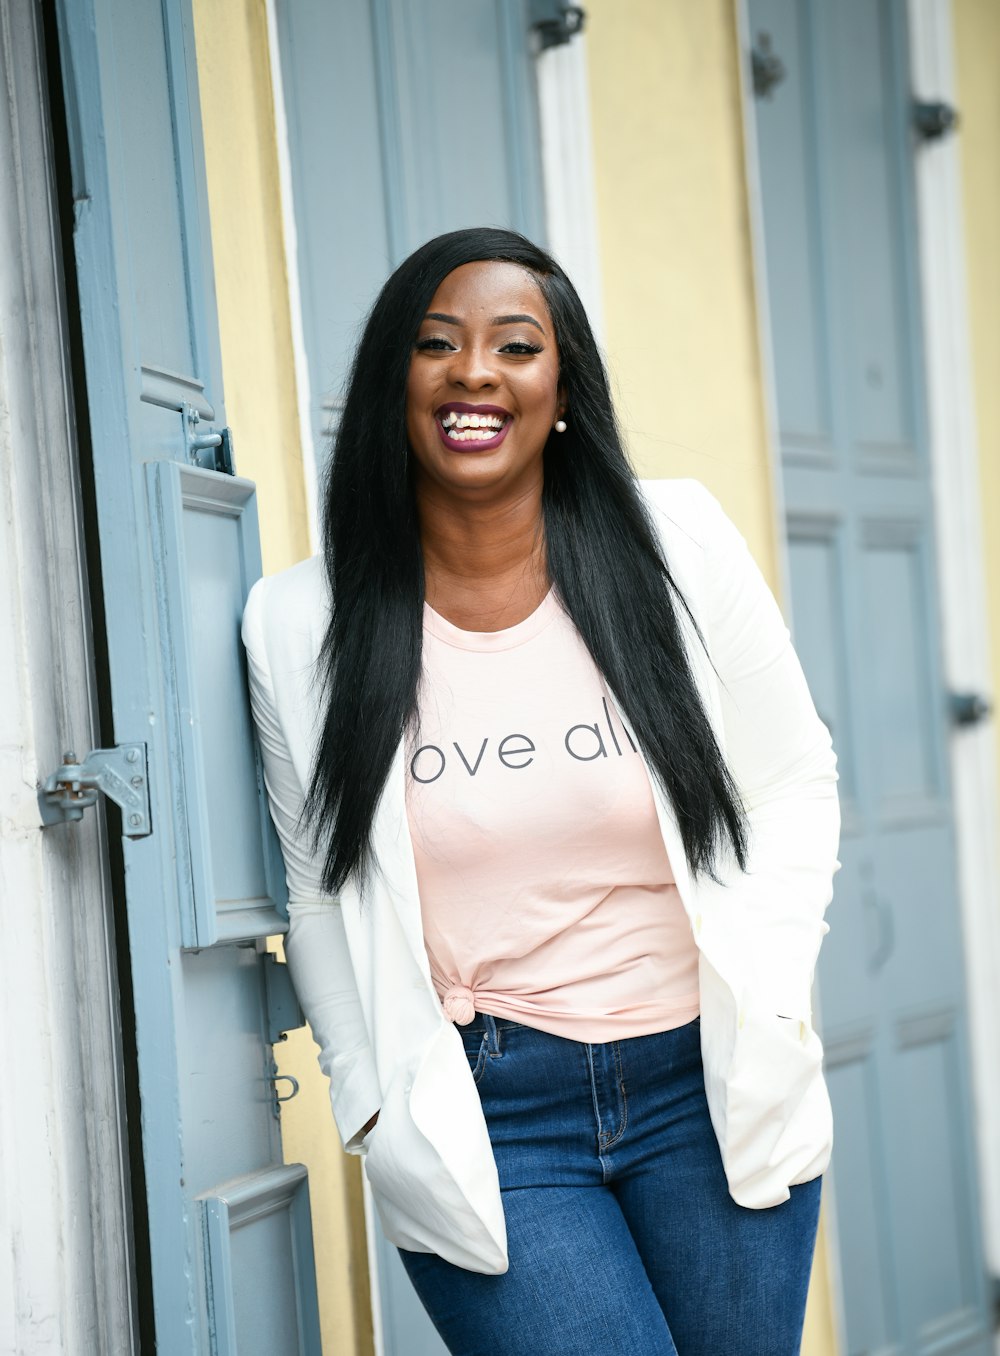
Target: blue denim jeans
x=623, y=1238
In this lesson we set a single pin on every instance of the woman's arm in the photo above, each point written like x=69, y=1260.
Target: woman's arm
x=315, y=946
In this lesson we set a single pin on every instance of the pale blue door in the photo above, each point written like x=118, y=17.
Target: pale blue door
x=229, y=1235
x=404, y=120
x=836, y=150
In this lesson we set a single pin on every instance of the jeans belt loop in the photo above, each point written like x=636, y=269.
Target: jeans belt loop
x=492, y=1035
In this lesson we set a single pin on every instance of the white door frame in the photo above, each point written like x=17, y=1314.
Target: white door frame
x=66, y=1268
x=955, y=464
x=568, y=171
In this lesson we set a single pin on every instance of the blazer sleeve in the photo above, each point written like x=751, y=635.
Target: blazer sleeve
x=781, y=756
x=316, y=947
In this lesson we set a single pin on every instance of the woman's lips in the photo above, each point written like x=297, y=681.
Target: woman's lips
x=472, y=444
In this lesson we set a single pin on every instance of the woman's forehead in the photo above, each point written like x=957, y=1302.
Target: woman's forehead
x=490, y=286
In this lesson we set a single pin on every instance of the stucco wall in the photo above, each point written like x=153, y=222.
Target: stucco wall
x=977, y=60
x=679, y=303
x=681, y=322
x=261, y=403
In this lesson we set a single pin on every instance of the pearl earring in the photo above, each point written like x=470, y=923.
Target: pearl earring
x=560, y=425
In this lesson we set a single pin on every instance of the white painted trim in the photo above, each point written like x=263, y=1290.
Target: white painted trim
x=769, y=396
x=568, y=171
x=65, y=1263
x=291, y=241
x=955, y=464
x=374, y=1271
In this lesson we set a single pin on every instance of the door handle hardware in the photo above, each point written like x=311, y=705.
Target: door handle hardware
x=969, y=708
x=120, y=773
x=211, y=451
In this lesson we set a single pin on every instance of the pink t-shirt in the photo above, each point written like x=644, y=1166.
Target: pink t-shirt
x=546, y=891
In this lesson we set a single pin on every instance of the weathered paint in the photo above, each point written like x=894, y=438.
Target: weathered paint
x=261, y=399
x=681, y=318
x=977, y=52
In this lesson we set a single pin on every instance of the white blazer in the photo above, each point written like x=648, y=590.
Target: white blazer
x=360, y=967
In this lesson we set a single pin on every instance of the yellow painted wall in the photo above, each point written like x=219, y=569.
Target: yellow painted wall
x=977, y=60
x=261, y=403
x=680, y=305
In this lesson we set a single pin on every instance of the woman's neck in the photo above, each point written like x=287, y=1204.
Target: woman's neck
x=484, y=563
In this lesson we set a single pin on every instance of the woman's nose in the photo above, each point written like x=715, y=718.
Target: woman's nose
x=473, y=367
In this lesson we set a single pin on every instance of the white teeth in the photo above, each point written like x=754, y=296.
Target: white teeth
x=462, y=426
x=475, y=435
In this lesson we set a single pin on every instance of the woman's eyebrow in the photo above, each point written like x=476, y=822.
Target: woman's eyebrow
x=516, y=320
x=497, y=319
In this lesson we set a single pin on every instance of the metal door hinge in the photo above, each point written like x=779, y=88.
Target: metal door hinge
x=120, y=773
x=283, y=1011
x=767, y=67
x=555, y=21
x=969, y=708
x=211, y=451
x=933, y=118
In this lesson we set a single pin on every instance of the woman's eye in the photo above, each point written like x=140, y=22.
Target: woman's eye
x=521, y=346
x=433, y=342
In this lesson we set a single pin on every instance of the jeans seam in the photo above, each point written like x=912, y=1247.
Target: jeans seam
x=621, y=1088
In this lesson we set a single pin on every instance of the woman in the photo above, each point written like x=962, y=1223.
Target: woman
x=560, y=822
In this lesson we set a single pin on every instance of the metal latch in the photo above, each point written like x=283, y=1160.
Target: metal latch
x=120, y=773
x=211, y=451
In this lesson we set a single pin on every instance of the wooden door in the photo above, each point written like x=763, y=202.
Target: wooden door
x=228, y=1223
x=836, y=157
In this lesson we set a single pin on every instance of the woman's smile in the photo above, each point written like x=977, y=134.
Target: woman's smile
x=483, y=390
x=472, y=428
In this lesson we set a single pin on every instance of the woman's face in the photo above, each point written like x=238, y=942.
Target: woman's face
x=483, y=388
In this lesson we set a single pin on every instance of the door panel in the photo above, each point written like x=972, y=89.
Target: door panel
x=206, y=555
x=253, y=1225
x=228, y=1222
x=836, y=168
x=384, y=157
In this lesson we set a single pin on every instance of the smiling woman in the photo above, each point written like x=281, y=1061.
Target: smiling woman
x=482, y=397
x=560, y=822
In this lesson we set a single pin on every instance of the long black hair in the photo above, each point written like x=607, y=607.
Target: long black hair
x=603, y=555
